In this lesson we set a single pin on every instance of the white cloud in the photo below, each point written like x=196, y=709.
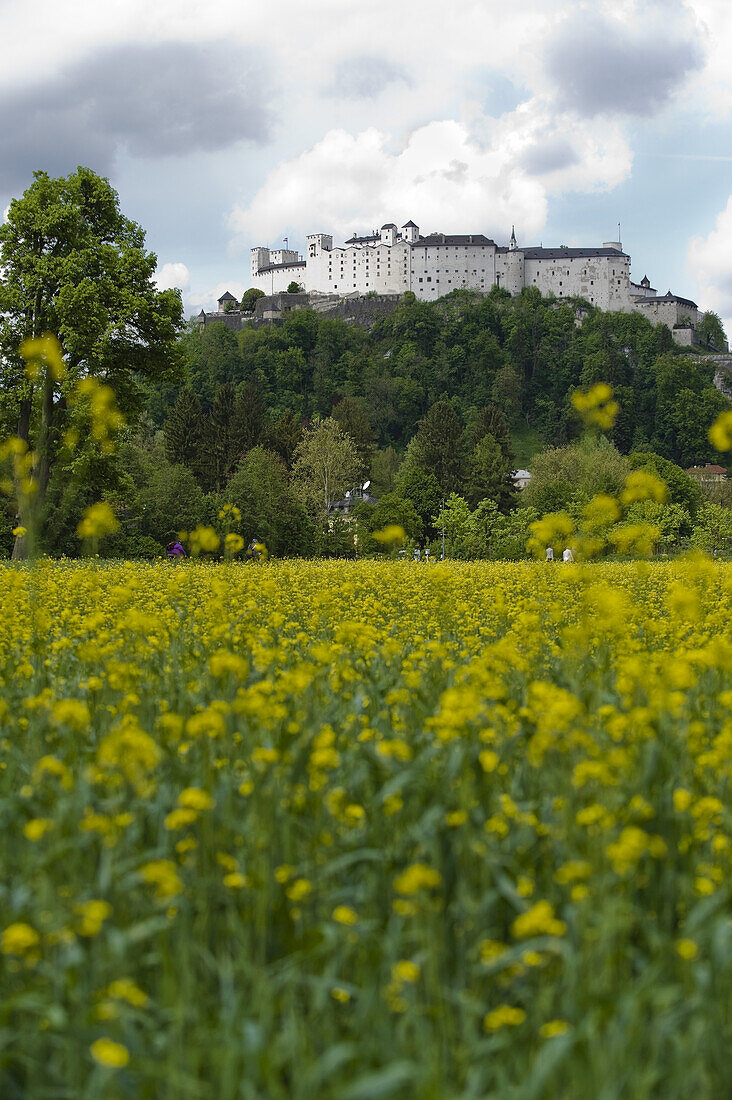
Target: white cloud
x=444, y=177
x=710, y=262
x=173, y=275
x=197, y=299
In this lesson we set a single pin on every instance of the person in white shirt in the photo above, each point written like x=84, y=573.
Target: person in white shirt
x=549, y=553
x=567, y=555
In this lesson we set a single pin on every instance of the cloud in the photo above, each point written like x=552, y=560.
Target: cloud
x=168, y=99
x=173, y=275
x=600, y=65
x=708, y=259
x=554, y=154
x=442, y=178
x=446, y=177
x=207, y=300
x=365, y=76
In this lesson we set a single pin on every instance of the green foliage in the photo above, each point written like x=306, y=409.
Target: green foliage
x=574, y=474
x=171, y=502
x=682, y=488
x=184, y=429
x=293, y=287
x=326, y=465
x=249, y=297
x=270, y=509
x=710, y=328
x=389, y=510
x=73, y=266
x=713, y=529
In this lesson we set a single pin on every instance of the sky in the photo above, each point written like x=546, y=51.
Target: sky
x=231, y=125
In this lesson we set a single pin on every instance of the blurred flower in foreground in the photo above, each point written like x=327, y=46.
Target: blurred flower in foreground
x=720, y=433
x=596, y=406
x=391, y=535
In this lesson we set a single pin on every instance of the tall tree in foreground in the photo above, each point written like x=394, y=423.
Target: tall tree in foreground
x=73, y=266
x=326, y=466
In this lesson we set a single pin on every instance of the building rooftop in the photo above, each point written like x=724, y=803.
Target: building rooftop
x=227, y=297
x=569, y=253
x=281, y=267
x=362, y=240
x=437, y=240
x=389, y=225
x=669, y=297
x=410, y=225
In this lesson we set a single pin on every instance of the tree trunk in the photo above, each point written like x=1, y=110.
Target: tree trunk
x=20, y=546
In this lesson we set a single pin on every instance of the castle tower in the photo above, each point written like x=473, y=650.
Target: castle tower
x=317, y=243
x=411, y=232
x=388, y=233
x=513, y=278
x=260, y=258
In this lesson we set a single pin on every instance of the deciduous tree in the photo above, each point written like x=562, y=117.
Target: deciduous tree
x=73, y=266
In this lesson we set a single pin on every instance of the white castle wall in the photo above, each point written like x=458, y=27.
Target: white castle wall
x=393, y=261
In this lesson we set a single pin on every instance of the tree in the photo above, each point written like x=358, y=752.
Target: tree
x=713, y=530
x=353, y=419
x=284, y=436
x=711, y=331
x=270, y=509
x=682, y=488
x=294, y=288
x=438, y=445
x=184, y=430
x=389, y=510
x=574, y=474
x=172, y=502
x=221, y=449
x=249, y=297
x=73, y=266
x=326, y=465
x=250, y=414
x=489, y=476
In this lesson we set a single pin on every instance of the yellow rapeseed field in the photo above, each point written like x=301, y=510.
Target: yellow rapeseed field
x=335, y=831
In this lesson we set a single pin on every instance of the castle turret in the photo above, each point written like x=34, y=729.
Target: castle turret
x=388, y=233
x=513, y=277
x=318, y=242
x=260, y=259
x=411, y=232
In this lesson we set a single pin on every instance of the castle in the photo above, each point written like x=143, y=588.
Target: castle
x=394, y=260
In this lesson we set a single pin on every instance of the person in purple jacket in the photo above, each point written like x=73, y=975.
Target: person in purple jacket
x=174, y=551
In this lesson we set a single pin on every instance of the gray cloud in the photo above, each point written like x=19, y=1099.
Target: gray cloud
x=549, y=156
x=601, y=67
x=161, y=100
x=364, y=76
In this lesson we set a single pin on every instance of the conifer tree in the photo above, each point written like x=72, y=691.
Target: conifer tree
x=251, y=417
x=184, y=430
x=222, y=450
x=489, y=475
x=491, y=421
x=437, y=446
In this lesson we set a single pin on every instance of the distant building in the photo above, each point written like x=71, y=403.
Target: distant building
x=392, y=260
x=521, y=478
x=708, y=475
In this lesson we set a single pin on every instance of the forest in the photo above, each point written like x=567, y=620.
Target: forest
x=435, y=406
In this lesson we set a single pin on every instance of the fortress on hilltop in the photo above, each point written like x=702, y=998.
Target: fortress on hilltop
x=390, y=261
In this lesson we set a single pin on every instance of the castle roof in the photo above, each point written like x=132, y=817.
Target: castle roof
x=669, y=297
x=569, y=253
x=281, y=267
x=227, y=297
x=389, y=225
x=410, y=225
x=355, y=239
x=437, y=240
